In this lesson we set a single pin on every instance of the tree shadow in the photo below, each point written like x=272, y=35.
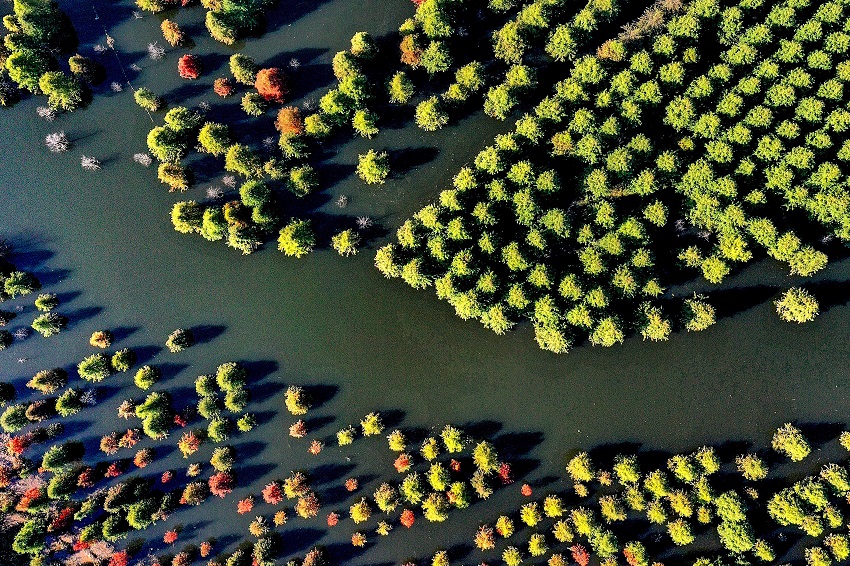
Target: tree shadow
x=607, y=452
x=342, y=552
x=300, y=539
x=121, y=333
x=253, y=472
x=266, y=390
x=52, y=277
x=482, y=429
x=730, y=302
x=83, y=314
x=260, y=369
x=186, y=92
x=68, y=297
x=459, y=551
x=830, y=294
x=402, y=161
x=145, y=354
x=205, y=333
x=392, y=417
x=522, y=467
x=822, y=432
x=294, y=10
x=327, y=473
x=321, y=394
x=395, y=116
x=264, y=417
x=315, y=424
x=169, y=371
x=515, y=444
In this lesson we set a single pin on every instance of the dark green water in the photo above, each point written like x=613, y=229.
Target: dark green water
x=104, y=241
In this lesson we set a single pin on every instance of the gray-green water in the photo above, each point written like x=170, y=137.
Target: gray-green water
x=104, y=241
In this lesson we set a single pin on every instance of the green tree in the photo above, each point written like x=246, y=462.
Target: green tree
x=253, y=104
x=430, y=115
x=373, y=167
x=797, y=305
x=345, y=242
x=95, y=368
x=49, y=323
x=296, y=239
x=789, y=440
x=26, y=66
x=242, y=159
x=146, y=98
x=187, y=216
x=400, y=88
x=364, y=123
x=436, y=58
x=63, y=92
x=215, y=138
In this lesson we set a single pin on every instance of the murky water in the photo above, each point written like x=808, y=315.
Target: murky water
x=104, y=241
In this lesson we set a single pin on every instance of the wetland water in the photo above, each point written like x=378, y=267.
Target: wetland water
x=104, y=242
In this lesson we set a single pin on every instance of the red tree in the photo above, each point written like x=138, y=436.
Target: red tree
x=245, y=505
x=351, y=484
x=170, y=537
x=289, y=123
x=62, y=520
x=205, y=549
x=223, y=87
x=299, y=427
x=5, y=477
x=402, y=463
x=189, y=67
x=18, y=444
x=407, y=519
x=221, y=484
x=167, y=476
x=114, y=470
x=272, y=493
x=580, y=554
x=120, y=558
x=454, y=465
x=333, y=519
x=505, y=473
x=525, y=490
x=86, y=478
x=272, y=84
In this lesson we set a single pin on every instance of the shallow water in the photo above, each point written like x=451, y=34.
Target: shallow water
x=104, y=241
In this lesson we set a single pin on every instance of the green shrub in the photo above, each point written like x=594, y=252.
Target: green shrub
x=147, y=376
x=95, y=368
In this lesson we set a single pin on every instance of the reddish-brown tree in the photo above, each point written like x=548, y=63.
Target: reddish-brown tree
x=289, y=122
x=224, y=87
x=411, y=53
x=189, y=67
x=580, y=554
x=245, y=505
x=221, y=483
x=272, y=84
x=272, y=493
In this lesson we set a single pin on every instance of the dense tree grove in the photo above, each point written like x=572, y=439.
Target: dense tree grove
x=37, y=30
x=715, y=131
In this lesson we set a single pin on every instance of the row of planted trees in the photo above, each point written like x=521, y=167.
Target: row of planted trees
x=578, y=240
x=71, y=508
x=695, y=494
